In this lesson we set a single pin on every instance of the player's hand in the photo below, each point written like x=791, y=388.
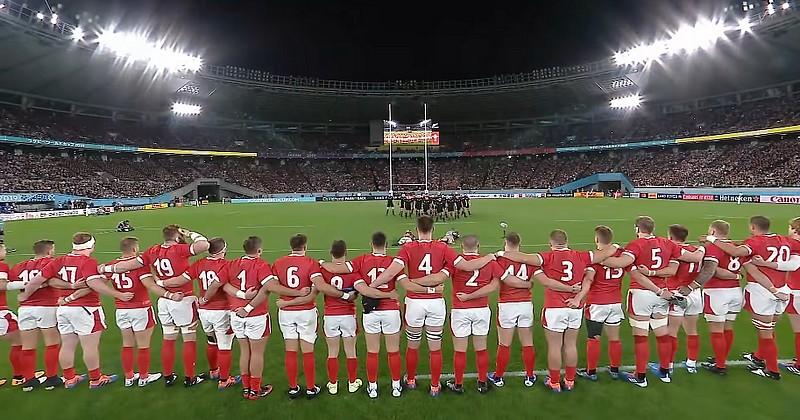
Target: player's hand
x=184, y=232
x=22, y=296
x=684, y=291
x=703, y=239
x=439, y=288
x=281, y=303
x=177, y=297
x=665, y=294
x=462, y=296
x=62, y=301
x=758, y=260
x=101, y=268
x=576, y=288
x=574, y=302
x=781, y=296
x=241, y=313
x=393, y=295
x=202, y=300
x=125, y=296
x=250, y=293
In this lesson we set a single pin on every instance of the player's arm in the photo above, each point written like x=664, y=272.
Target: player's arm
x=57, y=283
x=482, y=292
x=432, y=280
x=707, y=271
x=791, y=265
x=300, y=300
x=600, y=255
x=11, y=285
x=726, y=274
x=199, y=242
x=395, y=268
x=232, y=290
x=212, y=290
x=328, y=290
x=551, y=284
x=665, y=272
x=648, y=284
x=764, y=281
x=149, y=281
x=413, y=287
x=74, y=296
x=176, y=281
x=520, y=257
x=337, y=267
x=695, y=256
x=621, y=261
x=475, y=264
x=121, y=266
x=516, y=282
x=729, y=248
x=586, y=284
x=364, y=290
x=273, y=286
x=100, y=285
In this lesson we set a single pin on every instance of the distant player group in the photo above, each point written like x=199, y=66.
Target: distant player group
x=671, y=284
x=438, y=206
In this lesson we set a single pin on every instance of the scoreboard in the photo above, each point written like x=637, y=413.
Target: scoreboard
x=410, y=137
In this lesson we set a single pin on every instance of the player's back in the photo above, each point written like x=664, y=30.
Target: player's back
x=130, y=283
x=25, y=271
x=772, y=248
x=470, y=281
x=295, y=272
x=169, y=261
x=207, y=271
x=725, y=261
x=245, y=273
x=564, y=265
x=4, y=270
x=369, y=267
x=687, y=271
x=519, y=270
x=654, y=253
x=606, y=286
x=336, y=305
x=73, y=269
x=424, y=257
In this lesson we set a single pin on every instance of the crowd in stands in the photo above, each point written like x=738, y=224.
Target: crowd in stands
x=91, y=174
x=644, y=124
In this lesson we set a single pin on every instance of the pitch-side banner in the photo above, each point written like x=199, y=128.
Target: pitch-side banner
x=780, y=199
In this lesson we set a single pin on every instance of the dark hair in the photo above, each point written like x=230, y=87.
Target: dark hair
x=604, y=234
x=81, y=238
x=760, y=222
x=425, y=224
x=298, y=241
x=513, y=238
x=170, y=232
x=251, y=245
x=216, y=245
x=43, y=246
x=646, y=224
x=678, y=232
x=379, y=239
x=338, y=248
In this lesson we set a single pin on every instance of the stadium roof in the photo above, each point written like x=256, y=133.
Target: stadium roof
x=55, y=67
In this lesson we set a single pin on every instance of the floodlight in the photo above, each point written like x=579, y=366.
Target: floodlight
x=745, y=26
x=39, y=15
x=770, y=9
x=53, y=19
x=626, y=102
x=785, y=6
x=179, y=108
x=77, y=34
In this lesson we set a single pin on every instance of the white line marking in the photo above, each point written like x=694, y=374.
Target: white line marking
x=593, y=220
x=599, y=369
x=274, y=227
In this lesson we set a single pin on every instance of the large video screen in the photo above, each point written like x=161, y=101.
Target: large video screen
x=411, y=137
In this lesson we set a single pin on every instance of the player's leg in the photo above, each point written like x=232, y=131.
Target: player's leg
x=349, y=341
x=594, y=330
x=570, y=349
x=659, y=323
x=52, y=348
x=66, y=358
x=126, y=356
x=169, y=337
x=479, y=343
x=612, y=333
x=244, y=364
x=333, y=363
x=29, y=340
x=555, y=340
x=716, y=313
x=794, y=320
x=90, y=345
x=143, y=339
x=307, y=329
x=505, y=336
x=373, y=341
x=434, y=329
x=223, y=333
x=640, y=328
x=674, y=323
x=189, y=337
x=291, y=347
x=692, y=342
x=767, y=348
x=460, y=345
x=414, y=321
x=256, y=368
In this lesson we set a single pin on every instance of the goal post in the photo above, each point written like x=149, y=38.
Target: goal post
x=424, y=127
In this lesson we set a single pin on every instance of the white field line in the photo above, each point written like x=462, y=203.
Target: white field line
x=599, y=369
x=593, y=220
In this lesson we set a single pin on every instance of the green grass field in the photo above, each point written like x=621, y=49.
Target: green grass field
x=738, y=395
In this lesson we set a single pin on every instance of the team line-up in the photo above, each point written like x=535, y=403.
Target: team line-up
x=671, y=284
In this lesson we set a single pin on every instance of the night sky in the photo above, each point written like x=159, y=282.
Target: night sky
x=386, y=40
